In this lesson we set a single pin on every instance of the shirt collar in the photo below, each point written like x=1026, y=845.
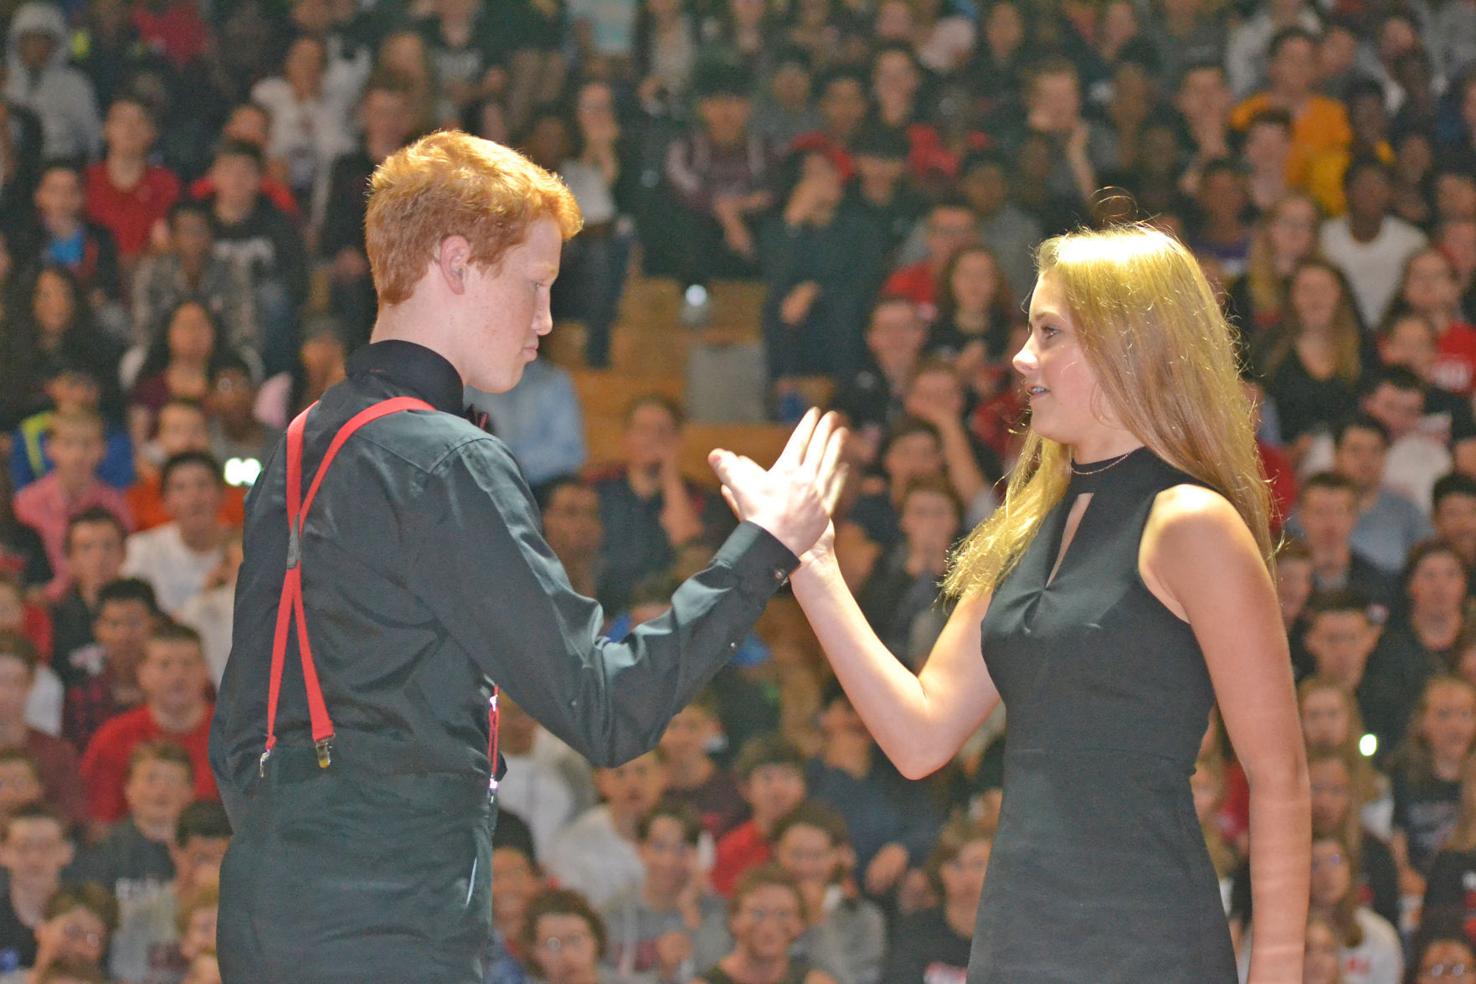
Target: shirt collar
x=406, y=365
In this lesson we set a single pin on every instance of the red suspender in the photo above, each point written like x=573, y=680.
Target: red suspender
x=290, y=604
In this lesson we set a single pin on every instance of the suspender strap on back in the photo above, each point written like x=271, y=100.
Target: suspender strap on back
x=290, y=612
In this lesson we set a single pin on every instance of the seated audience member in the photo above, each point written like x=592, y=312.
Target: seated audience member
x=240, y=441
x=596, y=853
x=1454, y=514
x=28, y=621
x=62, y=235
x=20, y=782
x=647, y=508
x=516, y=882
x=1420, y=641
x=1370, y=244
x=822, y=261
x=250, y=230
x=1444, y=956
x=251, y=124
x=126, y=194
x=311, y=120
x=572, y=527
x=933, y=945
x=70, y=388
x=900, y=596
x=892, y=821
x=547, y=781
x=94, y=550
x=1423, y=429
x=718, y=174
x=872, y=399
x=771, y=777
x=176, y=366
x=951, y=225
x=41, y=79
x=1368, y=945
x=1327, y=514
x=936, y=393
x=1340, y=638
x=157, y=924
x=1427, y=770
x=135, y=859
x=881, y=190
x=189, y=269
x=1337, y=788
x=104, y=674
x=653, y=929
x=175, y=709
x=1388, y=524
x=75, y=927
x=844, y=934
x=913, y=450
x=212, y=612
x=178, y=557
x=766, y=916
x=564, y=940
x=182, y=426
x=540, y=421
x=34, y=848
x=1430, y=289
x=692, y=777
x=76, y=447
x=53, y=759
x=1408, y=341
x=1448, y=899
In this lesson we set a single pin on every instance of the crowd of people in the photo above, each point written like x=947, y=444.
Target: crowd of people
x=182, y=270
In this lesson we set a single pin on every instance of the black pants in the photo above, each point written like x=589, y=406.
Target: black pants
x=338, y=876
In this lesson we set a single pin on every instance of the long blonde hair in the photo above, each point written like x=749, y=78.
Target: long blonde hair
x=1164, y=357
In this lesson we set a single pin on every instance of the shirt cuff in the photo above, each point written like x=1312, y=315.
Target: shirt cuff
x=760, y=562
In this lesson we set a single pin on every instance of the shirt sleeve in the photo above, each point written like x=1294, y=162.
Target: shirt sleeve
x=482, y=566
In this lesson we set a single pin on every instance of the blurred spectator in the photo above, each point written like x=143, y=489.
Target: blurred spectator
x=251, y=231
x=211, y=612
x=177, y=366
x=1427, y=771
x=879, y=189
x=179, y=556
x=933, y=945
x=104, y=674
x=844, y=102
x=1078, y=149
x=70, y=388
x=1339, y=637
x=74, y=931
x=1221, y=233
x=189, y=270
x=596, y=852
x=564, y=941
x=39, y=78
x=1368, y=944
x=1284, y=236
x=126, y=194
x=466, y=53
x=1335, y=795
x=546, y=780
x=516, y=882
x=539, y=419
x=310, y=120
x=719, y=174
x=647, y=508
x=1327, y=513
x=872, y=398
x=1398, y=400
x=135, y=859
x=1429, y=288
x=387, y=123
x=1389, y=525
x=149, y=943
x=1369, y=123
x=94, y=549
x=845, y=934
x=51, y=327
x=235, y=433
x=766, y=916
x=20, y=783
x=1369, y=244
x=666, y=50
x=1312, y=361
x=785, y=109
x=951, y=225
x=692, y=777
x=172, y=677
x=771, y=777
x=903, y=586
x=822, y=260
x=1319, y=124
x=652, y=928
x=572, y=527
x=181, y=426
x=34, y=848
x=55, y=759
x=76, y=448
x=1408, y=342
x=62, y=235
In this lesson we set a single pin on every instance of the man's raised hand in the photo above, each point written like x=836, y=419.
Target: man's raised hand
x=792, y=500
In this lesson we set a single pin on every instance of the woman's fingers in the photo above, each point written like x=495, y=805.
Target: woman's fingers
x=832, y=476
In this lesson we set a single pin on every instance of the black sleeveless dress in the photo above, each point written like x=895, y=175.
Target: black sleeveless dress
x=1099, y=873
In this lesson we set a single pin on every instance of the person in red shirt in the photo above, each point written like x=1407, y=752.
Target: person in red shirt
x=771, y=777
x=252, y=124
x=951, y=225
x=1430, y=288
x=126, y=194
x=172, y=677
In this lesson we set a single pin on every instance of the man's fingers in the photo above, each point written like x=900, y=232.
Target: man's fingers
x=815, y=450
x=732, y=502
x=794, y=448
x=733, y=470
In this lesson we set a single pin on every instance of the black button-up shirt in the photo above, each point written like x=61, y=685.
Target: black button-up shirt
x=426, y=577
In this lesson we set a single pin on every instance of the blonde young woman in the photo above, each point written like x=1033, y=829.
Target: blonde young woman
x=1090, y=597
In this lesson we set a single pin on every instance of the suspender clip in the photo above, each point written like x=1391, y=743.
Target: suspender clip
x=294, y=546
x=261, y=764
x=325, y=751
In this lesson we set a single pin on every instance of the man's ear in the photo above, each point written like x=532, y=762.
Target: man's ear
x=453, y=261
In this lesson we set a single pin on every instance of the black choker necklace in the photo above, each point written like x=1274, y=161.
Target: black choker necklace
x=1111, y=463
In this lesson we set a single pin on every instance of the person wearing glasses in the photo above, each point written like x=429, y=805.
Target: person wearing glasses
x=766, y=915
x=565, y=939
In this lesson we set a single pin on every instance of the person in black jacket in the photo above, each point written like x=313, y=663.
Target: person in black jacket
x=417, y=570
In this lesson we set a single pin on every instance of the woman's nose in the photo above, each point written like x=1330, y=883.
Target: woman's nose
x=1024, y=361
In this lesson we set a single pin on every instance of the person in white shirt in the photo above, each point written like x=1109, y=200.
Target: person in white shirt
x=211, y=612
x=179, y=557
x=597, y=853
x=1369, y=244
